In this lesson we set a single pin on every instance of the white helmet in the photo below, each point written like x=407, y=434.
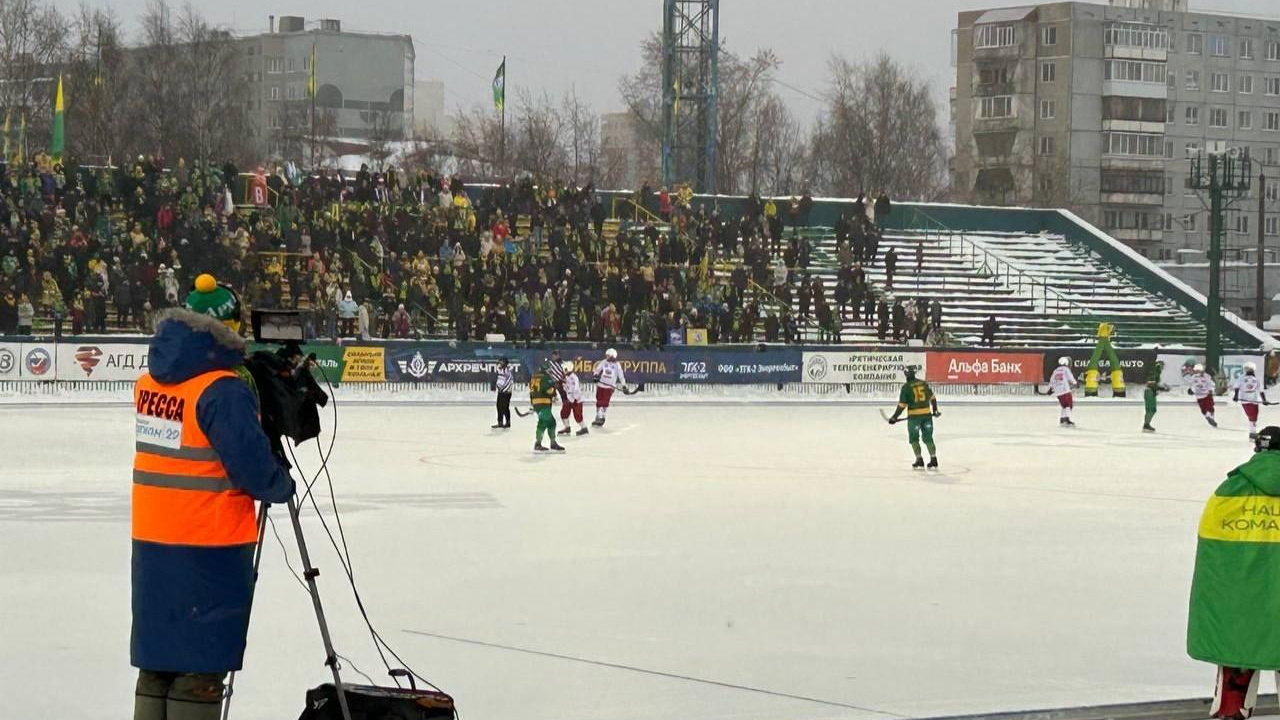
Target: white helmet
x=611, y=354
x=1064, y=361
x=1199, y=367
x=1250, y=368
x=567, y=365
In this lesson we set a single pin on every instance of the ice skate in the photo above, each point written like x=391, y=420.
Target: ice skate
x=582, y=431
x=556, y=446
x=933, y=463
x=499, y=426
x=1148, y=429
x=538, y=447
x=1066, y=422
x=919, y=463
x=1212, y=422
x=565, y=431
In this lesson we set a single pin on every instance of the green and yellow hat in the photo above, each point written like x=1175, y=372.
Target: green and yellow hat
x=217, y=300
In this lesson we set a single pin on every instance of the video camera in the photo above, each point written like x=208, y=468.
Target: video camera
x=290, y=397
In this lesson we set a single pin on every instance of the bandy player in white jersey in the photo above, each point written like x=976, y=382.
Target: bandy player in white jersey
x=1249, y=393
x=1060, y=384
x=572, y=404
x=609, y=377
x=1202, y=387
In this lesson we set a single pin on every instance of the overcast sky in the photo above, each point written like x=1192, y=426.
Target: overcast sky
x=589, y=44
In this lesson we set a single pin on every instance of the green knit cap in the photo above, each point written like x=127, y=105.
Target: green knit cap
x=216, y=301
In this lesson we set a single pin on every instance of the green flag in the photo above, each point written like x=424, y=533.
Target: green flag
x=58, y=139
x=1235, y=592
x=500, y=86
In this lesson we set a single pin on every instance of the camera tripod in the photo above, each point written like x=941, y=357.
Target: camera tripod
x=309, y=573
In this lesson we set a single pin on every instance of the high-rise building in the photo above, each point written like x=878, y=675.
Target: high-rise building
x=364, y=85
x=1097, y=108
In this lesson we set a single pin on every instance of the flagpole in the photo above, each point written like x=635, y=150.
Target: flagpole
x=502, y=122
x=313, y=104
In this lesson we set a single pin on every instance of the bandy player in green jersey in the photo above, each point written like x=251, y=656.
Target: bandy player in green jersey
x=921, y=406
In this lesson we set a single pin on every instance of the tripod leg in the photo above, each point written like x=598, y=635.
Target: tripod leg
x=309, y=573
x=257, y=561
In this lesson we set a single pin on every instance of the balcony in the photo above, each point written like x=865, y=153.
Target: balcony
x=1129, y=88
x=1131, y=235
x=1145, y=199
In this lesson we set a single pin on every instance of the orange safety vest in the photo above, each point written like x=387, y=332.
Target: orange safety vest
x=181, y=493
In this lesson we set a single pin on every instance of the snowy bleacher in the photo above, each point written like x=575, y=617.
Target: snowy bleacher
x=1042, y=289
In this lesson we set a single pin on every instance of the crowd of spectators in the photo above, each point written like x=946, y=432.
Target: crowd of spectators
x=418, y=255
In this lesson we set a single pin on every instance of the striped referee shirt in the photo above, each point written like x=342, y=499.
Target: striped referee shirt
x=506, y=379
x=556, y=371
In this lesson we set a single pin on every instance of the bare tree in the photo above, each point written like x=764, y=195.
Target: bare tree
x=97, y=86
x=33, y=42
x=212, y=92
x=879, y=132
x=583, y=137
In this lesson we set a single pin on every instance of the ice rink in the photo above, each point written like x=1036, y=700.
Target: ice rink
x=694, y=562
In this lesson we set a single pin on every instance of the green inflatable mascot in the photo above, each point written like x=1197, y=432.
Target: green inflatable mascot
x=1104, y=348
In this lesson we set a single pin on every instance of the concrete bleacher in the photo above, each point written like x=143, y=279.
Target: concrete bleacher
x=1042, y=289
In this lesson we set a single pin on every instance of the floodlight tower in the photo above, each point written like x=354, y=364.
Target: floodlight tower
x=1227, y=178
x=690, y=84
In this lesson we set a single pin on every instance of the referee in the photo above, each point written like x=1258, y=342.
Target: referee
x=555, y=368
x=503, y=381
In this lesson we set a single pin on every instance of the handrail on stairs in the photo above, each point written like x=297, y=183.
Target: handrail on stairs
x=636, y=210
x=1005, y=271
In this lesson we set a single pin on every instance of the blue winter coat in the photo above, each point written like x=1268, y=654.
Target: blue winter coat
x=191, y=604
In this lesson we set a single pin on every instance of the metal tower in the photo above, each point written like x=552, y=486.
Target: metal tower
x=690, y=81
x=1227, y=177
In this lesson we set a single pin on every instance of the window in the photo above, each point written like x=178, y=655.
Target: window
x=1273, y=225
x=1133, y=71
x=1271, y=85
x=1049, y=35
x=1270, y=156
x=995, y=107
x=1133, y=182
x=1193, y=79
x=277, y=122
x=1168, y=221
x=1046, y=145
x=1135, y=35
x=1244, y=120
x=1273, y=50
x=1189, y=223
x=293, y=92
x=1245, y=82
x=1173, y=81
x=290, y=65
x=1246, y=49
x=275, y=92
x=1218, y=46
x=306, y=62
x=1218, y=117
x=275, y=65
x=1272, y=122
x=1195, y=43
x=1168, y=149
x=1273, y=192
x=1048, y=109
x=1120, y=143
x=993, y=76
x=1242, y=223
x=1168, y=114
x=1048, y=72
x=1192, y=116
x=1220, y=82
x=994, y=36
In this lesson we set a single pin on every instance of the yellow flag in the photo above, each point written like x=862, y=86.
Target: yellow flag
x=311, y=78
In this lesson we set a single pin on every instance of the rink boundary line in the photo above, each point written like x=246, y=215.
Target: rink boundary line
x=1188, y=709
x=657, y=673
x=654, y=402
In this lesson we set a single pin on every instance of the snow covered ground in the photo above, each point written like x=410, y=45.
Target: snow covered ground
x=694, y=562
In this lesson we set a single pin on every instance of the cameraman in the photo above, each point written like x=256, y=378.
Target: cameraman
x=1235, y=609
x=201, y=460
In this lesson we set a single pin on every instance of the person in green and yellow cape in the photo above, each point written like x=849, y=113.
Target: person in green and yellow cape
x=1235, y=592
